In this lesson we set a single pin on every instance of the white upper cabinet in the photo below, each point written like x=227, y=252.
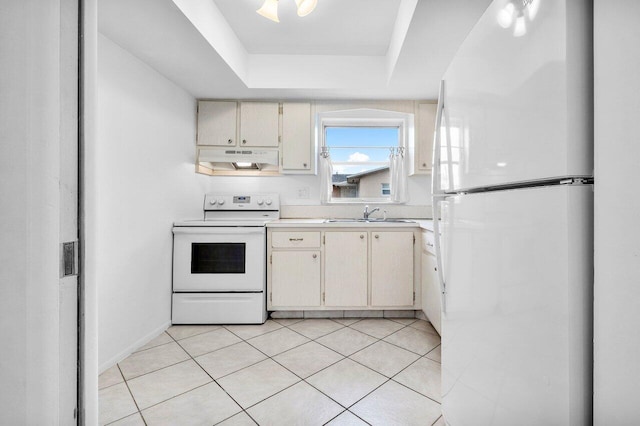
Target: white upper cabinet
x=217, y=123
x=259, y=124
x=426, y=127
x=297, y=136
x=420, y=152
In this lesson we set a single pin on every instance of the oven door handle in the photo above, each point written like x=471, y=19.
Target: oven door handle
x=233, y=230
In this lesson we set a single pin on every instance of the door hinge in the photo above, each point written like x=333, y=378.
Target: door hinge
x=68, y=259
x=271, y=259
x=414, y=296
x=280, y=109
x=279, y=138
x=414, y=240
x=324, y=241
x=270, y=297
x=323, y=296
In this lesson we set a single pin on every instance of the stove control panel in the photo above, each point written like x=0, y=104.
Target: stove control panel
x=239, y=202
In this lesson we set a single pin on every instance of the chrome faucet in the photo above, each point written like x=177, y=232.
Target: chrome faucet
x=368, y=212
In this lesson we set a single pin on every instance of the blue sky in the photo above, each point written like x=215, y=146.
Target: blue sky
x=337, y=137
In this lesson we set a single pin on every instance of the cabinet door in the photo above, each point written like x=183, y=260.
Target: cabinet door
x=431, y=301
x=295, y=278
x=217, y=123
x=391, y=268
x=296, y=136
x=426, y=126
x=259, y=124
x=345, y=269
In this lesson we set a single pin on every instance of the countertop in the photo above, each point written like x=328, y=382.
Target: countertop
x=320, y=223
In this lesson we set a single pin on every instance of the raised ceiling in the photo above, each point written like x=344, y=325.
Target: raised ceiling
x=328, y=30
x=358, y=49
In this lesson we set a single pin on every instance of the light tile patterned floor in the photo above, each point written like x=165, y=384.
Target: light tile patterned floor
x=377, y=371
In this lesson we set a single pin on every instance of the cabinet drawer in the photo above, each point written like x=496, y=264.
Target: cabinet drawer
x=295, y=239
x=428, y=242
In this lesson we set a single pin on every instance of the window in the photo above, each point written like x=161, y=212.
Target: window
x=360, y=160
x=359, y=144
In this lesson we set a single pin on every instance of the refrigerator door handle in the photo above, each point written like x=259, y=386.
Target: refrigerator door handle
x=437, y=148
x=438, y=194
x=438, y=249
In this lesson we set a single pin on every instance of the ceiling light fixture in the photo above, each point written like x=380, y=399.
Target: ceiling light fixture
x=516, y=13
x=269, y=8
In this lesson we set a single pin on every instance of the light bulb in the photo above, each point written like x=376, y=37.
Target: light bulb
x=305, y=7
x=269, y=10
x=520, y=28
x=532, y=9
x=505, y=16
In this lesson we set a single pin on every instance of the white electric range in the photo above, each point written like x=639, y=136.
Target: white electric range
x=219, y=263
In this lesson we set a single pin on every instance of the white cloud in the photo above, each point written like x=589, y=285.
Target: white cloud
x=358, y=156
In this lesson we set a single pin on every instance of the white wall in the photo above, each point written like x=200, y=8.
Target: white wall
x=144, y=180
x=30, y=210
x=617, y=212
x=288, y=186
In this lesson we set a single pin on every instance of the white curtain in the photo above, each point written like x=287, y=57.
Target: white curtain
x=326, y=176
x=397, y=171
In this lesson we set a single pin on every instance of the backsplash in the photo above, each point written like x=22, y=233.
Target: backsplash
x=353, y=210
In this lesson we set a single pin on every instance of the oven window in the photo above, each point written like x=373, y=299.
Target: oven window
x=218, y=258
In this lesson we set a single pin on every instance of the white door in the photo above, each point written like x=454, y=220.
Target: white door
x=38, y=183
x=295, y=278
x=68, y=300
x=217, y=123
x=392, y=268
x=516, y=325
x=431, y=290
x=296, y=136
x=517, y=100
x=345, y=269
x=259, y=122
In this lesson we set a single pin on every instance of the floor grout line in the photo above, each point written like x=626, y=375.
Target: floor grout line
x=300, y=379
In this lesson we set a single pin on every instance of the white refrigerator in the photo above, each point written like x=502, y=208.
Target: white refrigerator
x=513, y=187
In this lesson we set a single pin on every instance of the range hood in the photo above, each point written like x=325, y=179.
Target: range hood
x=214, y=160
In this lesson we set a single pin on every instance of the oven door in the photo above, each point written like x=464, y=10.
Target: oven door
x=216, y=259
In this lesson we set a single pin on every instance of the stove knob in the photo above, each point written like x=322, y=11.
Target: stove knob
x=260, y=201
x=268, y=201
x=212, y=202
x=220, y=201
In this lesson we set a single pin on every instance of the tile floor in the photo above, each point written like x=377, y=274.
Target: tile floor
x=284, y=372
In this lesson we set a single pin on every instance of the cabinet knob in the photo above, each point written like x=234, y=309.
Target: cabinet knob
x=315, y=256
x=377, y=236
x=244, y=141
x=230, y=141
x=304, y=165
x=435, y=269
x=424, y=164
x=362, y=237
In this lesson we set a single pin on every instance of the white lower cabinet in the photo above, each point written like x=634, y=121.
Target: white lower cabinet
x=294, y=269
x=431, y=297
x=345, y=269
x=392, y=254
x=297, y=278
x=342, y=269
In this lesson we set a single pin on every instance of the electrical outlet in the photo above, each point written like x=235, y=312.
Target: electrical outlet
x=303, y=192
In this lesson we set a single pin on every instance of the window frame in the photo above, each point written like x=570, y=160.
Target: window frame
x=366, y=117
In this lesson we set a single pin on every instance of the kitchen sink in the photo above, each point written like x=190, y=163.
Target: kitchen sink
x=370, y=220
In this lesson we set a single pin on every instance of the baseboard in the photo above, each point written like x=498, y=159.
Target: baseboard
x=131, y=348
